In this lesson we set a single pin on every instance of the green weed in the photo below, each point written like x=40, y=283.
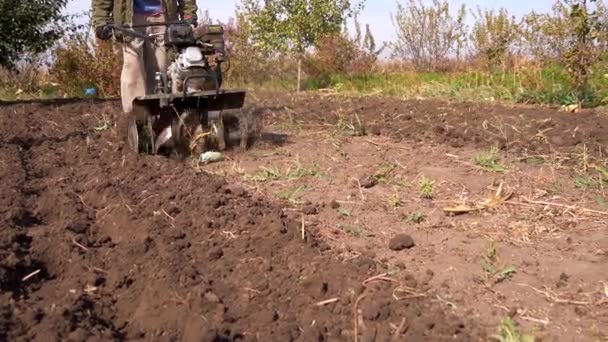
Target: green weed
x=301, y=171
x=601, y=201
x=356, y=231
x=583, y=181
x=492, y=268
x=426, y=187
x=488, y=160
x=293, y=194
x=416, y=217
x=508, y=331
x=266, y=174
x=344, y=212
x=394, y=200
x=385, y=173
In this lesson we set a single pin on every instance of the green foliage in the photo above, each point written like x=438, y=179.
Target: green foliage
x=426, y=187
x=492, y=268
x=488, y=160
x=288, y=25
x=416, y=217
x=28, y=27
x=493, y=35
x=586, y=29
x=508, y=331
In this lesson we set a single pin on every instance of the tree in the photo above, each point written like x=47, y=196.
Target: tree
x=587, y=39
x=28, y=26
x=428, y=34
x=295, y=25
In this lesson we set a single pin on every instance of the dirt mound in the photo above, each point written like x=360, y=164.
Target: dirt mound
x=98, y=245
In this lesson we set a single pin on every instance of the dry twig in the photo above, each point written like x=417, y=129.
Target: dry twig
x=79, y=245
x=356, y=316
x=550, y=295
x=383, y=276
x=410, y=293
x=399, y=330
x=31, y=275
x=570, y=207
x=328, y=301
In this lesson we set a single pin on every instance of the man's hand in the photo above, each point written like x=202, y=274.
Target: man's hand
x=103, y=32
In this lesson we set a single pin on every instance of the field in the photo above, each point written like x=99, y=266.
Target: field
x=351, y=218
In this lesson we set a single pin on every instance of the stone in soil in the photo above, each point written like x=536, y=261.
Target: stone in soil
x=400, y=242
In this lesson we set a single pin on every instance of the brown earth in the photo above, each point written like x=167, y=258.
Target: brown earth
x=96, y=244
x=546, y=242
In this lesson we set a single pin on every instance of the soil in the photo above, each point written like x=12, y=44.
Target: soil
x=530, y=240
x=99, y=245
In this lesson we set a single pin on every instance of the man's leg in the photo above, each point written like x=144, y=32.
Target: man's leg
x=132, y=80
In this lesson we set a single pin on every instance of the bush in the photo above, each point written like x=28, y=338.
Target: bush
x=81, y=62
x=493, y=37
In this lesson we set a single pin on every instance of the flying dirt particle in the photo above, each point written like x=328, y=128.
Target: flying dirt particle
x=400, y=242
x=216, y=253
x=212, y=297
x=78, y=335
x=368, y=182
x=563, y=280
x=310, y=209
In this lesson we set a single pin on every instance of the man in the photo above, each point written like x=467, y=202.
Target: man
x=141, y=59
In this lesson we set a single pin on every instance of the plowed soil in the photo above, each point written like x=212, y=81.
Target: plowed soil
x=99, y=245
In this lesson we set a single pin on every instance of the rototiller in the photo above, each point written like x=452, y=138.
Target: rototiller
x=189, y=111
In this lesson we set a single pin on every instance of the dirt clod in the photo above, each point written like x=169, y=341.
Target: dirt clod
x=400, y=242
x=368, y=182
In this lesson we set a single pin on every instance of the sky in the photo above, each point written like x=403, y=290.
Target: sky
x=377, y=13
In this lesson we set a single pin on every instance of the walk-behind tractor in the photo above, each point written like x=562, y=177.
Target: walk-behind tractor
x=189, y=111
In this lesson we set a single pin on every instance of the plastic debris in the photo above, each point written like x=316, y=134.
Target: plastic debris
x=211, y=157
x=90, y=91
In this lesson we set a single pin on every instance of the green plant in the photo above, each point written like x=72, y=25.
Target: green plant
x=586, y=31
x=356, y=231
x=488, y=160
x=492, y=268
x=416, y=217
x=287, y=25
x=426, y=187
x=300, y=171
x=344, y=212
x=508, y=331
x=385, y=172
x=29, y=27
x=583, y=181
x=394, y=200
x=265, y=174
x=293, y=194
x=353, y=127
x=601, y=201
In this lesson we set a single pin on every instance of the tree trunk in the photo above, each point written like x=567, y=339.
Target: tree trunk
x=299, y=86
